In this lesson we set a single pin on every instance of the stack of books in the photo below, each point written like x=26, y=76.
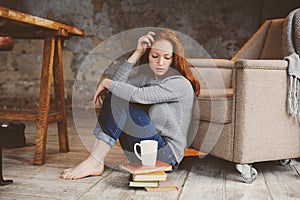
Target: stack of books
x=151, y=178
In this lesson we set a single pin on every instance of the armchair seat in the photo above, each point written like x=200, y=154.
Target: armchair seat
x=214, y=135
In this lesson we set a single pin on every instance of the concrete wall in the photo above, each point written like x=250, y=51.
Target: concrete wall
x=220, y=26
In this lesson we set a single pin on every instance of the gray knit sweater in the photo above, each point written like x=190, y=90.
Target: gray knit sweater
x=172, y=100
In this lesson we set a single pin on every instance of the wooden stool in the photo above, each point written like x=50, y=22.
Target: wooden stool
x=24, y=26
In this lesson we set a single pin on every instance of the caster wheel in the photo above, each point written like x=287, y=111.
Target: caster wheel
x=248, y=173
x=285, y=162
x=251, y=178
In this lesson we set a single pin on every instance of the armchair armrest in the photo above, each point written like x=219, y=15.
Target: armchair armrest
x=261, y=64
x=260, y=90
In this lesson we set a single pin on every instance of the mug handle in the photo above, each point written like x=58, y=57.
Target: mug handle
x=135, y=151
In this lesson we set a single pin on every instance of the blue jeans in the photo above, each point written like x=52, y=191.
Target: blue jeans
x=130, y=123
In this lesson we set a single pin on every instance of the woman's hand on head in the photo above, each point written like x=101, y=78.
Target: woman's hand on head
x=144, y=42
x=101, y=90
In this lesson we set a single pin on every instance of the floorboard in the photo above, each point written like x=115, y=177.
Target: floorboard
x=205, y=178
x=281, y=181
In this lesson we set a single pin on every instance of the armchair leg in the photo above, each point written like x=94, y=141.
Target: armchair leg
x=2, y=181
x=248, y=173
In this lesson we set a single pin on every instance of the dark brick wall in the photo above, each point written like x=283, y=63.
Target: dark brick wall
x=220, y=26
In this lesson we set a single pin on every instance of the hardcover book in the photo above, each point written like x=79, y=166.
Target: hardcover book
x=138, y=168
x=167, y=185
x=151, y=176
x=148, y=184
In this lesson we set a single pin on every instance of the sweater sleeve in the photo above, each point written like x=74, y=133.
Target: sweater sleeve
x=123, y=72
x=157, y=93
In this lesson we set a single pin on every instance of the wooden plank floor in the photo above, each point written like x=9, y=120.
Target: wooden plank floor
x=206, y=178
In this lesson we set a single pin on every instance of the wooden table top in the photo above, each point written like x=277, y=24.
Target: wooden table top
x=21, y=26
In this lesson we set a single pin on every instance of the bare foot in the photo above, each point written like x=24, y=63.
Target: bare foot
x=88, y=167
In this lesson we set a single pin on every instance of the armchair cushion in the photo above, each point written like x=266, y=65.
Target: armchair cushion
x=216, y=105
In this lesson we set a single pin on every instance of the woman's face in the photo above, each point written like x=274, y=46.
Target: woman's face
x=160, y=57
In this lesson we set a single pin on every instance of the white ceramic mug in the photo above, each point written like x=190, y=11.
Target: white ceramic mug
x=148, y=152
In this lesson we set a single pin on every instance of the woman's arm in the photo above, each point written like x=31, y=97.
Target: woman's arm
x=124, y=70
x=168, y=91
x=101, y=89
x=122, y=74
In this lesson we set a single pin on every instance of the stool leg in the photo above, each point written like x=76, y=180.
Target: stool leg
x=44, y=101
x=60, y=97
x=2, y=181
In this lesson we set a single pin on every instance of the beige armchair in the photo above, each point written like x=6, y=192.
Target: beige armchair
x=246, y=120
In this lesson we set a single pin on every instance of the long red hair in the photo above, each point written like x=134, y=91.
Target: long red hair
x=179, y=62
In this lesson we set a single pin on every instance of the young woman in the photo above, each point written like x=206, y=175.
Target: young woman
x=155, y=104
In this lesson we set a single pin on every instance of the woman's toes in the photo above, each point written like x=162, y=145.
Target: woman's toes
x=66, y=170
